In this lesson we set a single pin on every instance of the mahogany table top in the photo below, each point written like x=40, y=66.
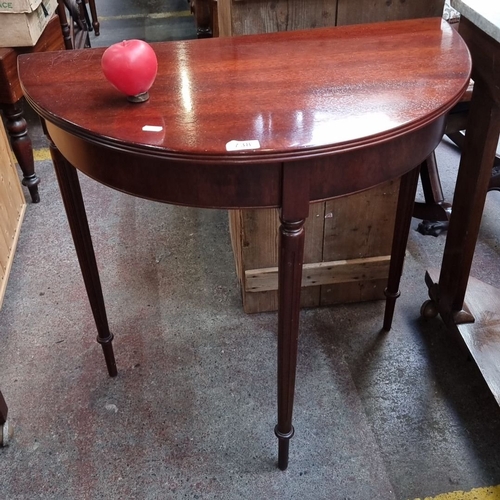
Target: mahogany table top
x=299, y=94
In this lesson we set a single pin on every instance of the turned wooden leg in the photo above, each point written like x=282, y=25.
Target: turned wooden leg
x=69, y=185
x=404, y=211
x=63, y=21
x=84, y=21
x=21, y=145
x=290, y=277
x=95, y=20
x=294, y=212
x=203, y=15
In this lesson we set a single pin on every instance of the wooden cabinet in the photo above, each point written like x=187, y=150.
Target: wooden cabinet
x=12, y=208
x=348, y=240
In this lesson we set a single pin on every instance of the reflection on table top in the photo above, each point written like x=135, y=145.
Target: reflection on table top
x=302, y=93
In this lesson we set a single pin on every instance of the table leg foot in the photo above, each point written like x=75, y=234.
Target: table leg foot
x=109, y=356
x=283, y=447
x=431, y=308
x=390, y=305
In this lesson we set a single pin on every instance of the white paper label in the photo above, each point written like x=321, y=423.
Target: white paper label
x=242, y=145
x=152, y=128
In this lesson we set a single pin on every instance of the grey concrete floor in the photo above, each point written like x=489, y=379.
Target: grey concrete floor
x=191, y=414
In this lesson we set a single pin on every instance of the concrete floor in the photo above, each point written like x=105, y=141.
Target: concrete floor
x=191, y=415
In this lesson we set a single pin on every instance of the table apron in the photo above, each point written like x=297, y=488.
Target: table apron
x=257, y=185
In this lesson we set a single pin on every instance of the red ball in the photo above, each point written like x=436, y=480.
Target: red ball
x=130, y=66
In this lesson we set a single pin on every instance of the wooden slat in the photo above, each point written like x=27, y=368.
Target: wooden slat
x=371, y=11
x=322, y=273
x=257, y=16
x=368, y=233
x=363, y=223
x=12, y=208
x=224, y=15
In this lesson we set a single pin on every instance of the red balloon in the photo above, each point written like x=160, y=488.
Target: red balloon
x=130, y=66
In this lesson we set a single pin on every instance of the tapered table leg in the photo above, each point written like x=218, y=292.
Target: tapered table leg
x=404, y=211
x=295, y=208
x=73, y=203
x=22, y=147
x=290, y=277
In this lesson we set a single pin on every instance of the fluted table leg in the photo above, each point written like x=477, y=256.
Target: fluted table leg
x=295, y=208
x=69, y=185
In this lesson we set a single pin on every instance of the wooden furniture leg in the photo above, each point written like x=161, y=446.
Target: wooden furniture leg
x=458, y=139
x=404, y=212
x=294, y=212
x=473, y=179
x=21, y=145
x=204, y=17
x=82, y=9
x=69, y=185
x=65, y=28
x=75, y=30
x=95, y=21
x=10, y=102
x=435, y=211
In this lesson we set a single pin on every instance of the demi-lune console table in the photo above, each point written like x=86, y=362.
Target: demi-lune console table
x=274, y=120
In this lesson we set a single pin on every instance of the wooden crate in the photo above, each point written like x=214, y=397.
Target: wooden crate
x=347, y=250
x=12, y=208
x=348, y=240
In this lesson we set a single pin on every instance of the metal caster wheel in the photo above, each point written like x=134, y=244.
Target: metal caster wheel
x=429, y=309
x=6, y=433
